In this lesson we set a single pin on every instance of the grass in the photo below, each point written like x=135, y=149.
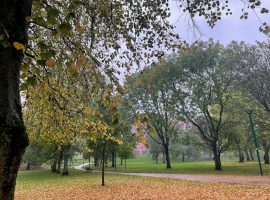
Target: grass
x=145, y=164
x=44, y=185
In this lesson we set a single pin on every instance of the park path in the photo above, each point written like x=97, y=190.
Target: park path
x=230, y=179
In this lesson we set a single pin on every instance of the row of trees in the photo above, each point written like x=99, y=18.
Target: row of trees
x=92, y=30
x=210, y=87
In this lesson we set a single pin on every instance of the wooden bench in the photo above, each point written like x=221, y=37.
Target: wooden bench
x=88, y=169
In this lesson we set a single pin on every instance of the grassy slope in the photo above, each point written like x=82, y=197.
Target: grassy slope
x=145, y=164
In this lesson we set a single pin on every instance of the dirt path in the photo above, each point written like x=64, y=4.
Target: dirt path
x=253, y=180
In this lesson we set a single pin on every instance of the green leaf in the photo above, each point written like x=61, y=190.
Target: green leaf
x=65, y=29
x=31, y=81
x=24, y=68
x=24, y=86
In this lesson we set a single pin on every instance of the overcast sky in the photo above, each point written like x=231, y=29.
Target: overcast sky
x=227, y=29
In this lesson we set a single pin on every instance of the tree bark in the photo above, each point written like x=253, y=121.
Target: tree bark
x=59, y=161
x=96, y=161
x=53, y=166
x=216, y=158
x=266, y=148
x=13, y=138
x=251, y=154
x=240, y=155
x=28, y=166
x=66, y=156
x=247, y=155
x=121, y=161
x=103, y=167
x=167, y=156
x=163, y=155
x=183, y=157
x=113, y=159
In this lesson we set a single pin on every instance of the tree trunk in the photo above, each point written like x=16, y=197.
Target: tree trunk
x=66, y=156
x=103, y=166
x=163, y=155
x=167, y=156
x=113, y=160
x=59, y=161
x=247, y=155
x=13, y=138
x=157, y=157
x=121, y=161
x=28, y=166
x=125, y=162
x=266, y=148
x=53, y=166
x=96, y=161
x=240, y=155
x=251, y=154
x=106, y=160
x=216, y=158
x=183, y=157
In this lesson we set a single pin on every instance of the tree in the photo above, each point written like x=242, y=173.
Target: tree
x=125, y=151
x=150, y=95
x=124, y=21
x=214, y=10
x=202, y=85
x=253, y=73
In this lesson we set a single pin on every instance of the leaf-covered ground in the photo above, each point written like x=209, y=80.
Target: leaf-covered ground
x=43, y=185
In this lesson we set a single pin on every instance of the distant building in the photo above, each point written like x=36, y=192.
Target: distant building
x=140, y=148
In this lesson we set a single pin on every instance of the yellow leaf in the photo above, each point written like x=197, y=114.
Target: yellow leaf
x=120, y=89
x=50, y=63
x=79, y=28
x=19, y=46
x=74, y=69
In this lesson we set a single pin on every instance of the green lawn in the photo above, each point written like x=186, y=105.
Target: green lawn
x=145, y=164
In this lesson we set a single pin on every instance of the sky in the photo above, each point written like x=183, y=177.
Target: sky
x=227, y=29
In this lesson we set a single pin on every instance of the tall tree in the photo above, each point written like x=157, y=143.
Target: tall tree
x=54, y=25
x=202, y=85
x=14, y=140
x=150, y=95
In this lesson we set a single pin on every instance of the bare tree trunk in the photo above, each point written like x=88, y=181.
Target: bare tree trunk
x=125, y=162
x=167, y=156
x=121, y=161
x=13, y=138
x=157, y=154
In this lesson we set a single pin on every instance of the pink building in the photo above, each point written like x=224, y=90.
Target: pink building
x=140, y=148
